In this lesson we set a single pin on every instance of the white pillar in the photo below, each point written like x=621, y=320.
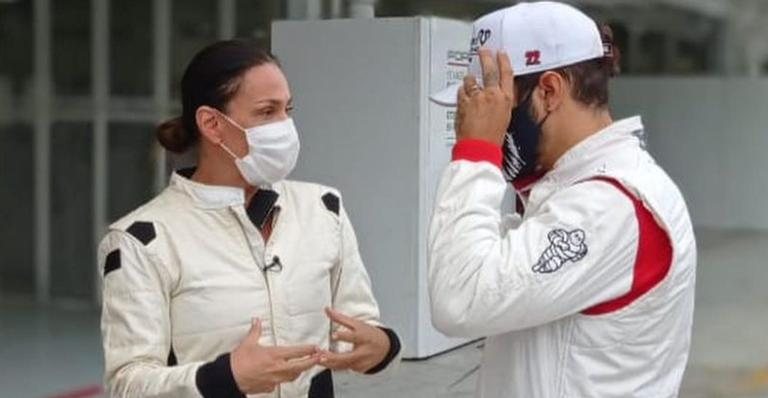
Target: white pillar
x=161, y=76
x=42, y=126
x=305, y=9
x=227, y=21
x=100, y=96
x=756, y=56
x=336, y=9
x=362, y=8
x=748, y=41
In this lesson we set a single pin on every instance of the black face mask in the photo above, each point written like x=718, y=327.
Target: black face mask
x=521, y=143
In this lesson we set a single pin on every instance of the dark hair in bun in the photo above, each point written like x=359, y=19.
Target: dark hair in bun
x=212, y=78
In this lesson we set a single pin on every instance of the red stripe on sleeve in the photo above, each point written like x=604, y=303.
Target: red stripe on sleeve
x=478, y=151
x=654, y=256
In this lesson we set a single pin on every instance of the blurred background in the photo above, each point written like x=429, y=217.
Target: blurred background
x=84, y=82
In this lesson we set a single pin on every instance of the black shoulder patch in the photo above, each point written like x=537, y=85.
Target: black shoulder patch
x=143, y=231
x=331, y=202
x=112, y=262
x=261, y=206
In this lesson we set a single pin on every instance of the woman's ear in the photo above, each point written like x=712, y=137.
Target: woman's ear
x=554, y=89
x=209, y=123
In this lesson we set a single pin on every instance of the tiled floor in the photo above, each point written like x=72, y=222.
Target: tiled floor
x=44, y=352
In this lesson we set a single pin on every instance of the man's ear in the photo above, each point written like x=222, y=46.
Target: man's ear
x=554, y=89
x=209, y=123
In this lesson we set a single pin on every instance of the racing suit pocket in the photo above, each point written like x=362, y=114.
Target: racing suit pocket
x=309, y=289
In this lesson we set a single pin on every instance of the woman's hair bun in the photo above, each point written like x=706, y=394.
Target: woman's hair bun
x=173, y=136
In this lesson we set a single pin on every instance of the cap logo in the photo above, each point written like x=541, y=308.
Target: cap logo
x=532, y=57
x=483, y=35
x=480, y=39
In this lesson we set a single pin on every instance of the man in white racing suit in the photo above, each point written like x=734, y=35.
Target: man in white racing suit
x=589, y=290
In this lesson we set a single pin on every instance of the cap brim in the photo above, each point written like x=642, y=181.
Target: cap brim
x=447, y=96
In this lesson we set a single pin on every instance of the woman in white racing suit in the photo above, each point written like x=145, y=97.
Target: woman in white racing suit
x=234, y=281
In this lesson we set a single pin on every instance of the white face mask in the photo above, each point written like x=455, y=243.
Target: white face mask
x=272, y=152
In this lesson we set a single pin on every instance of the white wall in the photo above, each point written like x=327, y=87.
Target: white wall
x=367, y=128
x=711, y=135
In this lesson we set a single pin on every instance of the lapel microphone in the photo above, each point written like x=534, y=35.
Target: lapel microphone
x=275, y=266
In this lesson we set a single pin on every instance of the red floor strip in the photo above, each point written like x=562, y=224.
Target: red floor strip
x=84, y=392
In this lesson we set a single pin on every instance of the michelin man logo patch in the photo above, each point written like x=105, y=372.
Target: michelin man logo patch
x=564, y=247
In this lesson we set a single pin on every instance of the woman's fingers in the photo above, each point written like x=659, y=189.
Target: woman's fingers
x=336, y=361
x=301, y=365
x=341, y=319
x=346, y=335
x=287, y=353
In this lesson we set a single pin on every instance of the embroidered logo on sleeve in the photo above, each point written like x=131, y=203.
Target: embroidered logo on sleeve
x=564, y=247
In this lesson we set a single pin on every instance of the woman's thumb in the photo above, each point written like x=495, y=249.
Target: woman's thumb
x=255, y=332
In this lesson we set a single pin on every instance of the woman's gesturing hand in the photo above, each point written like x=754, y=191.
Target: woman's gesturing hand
x=371, y=345
x=260, y=369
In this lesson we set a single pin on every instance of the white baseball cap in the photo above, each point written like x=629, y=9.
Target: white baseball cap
x=536, y=36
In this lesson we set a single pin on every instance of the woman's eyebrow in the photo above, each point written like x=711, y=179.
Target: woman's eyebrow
x=273, y=101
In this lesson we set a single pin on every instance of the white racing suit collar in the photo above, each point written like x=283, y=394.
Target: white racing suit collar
x=211, y=197
x=571, y=164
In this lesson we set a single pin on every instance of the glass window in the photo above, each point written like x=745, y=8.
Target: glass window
x=194, y=26
x=131, y=48
x=692, y=58
x=71, y=47
x=73, y=263
x=254, y=19
x=131, y=167
x=17, y=240
x=652, y=47
x=16, y=57
x=17, y=200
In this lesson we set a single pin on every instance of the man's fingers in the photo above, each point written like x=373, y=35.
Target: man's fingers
x=342, y=319
x=461, y=95
x=287, y=353
x=507, y=75
x=490, y=68
x=345, y=335
x=470, y=85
